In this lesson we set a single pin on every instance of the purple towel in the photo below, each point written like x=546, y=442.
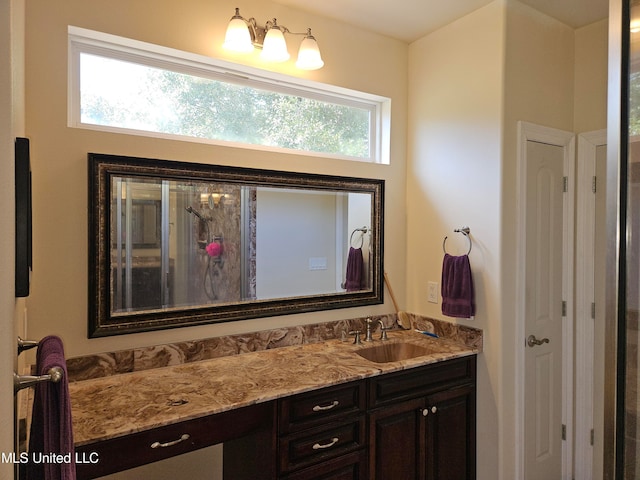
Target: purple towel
x=355, y=266
x=457, y=287
x=51, y=428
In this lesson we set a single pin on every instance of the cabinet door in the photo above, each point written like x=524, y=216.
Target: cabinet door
x=451, y=433
x=397, y=441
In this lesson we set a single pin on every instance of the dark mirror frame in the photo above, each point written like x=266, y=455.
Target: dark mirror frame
x=23, y=233
x=101, y=169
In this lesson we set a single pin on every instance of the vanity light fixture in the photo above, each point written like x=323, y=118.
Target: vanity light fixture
x=212, y=200
x=244, y=35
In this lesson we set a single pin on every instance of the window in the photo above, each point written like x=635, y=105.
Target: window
x=118, y=84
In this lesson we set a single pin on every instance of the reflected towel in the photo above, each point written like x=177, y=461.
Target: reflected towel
x=457, y=287
x=51, y=428
x=355, y=266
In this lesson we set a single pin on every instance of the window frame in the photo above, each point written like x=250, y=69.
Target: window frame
x=91, y=42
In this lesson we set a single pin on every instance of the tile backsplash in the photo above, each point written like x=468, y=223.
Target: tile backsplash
x=144, y=358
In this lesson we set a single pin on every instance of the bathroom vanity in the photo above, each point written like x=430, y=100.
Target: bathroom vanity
x=301, y=412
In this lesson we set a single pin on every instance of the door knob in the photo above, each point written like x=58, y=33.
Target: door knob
x=532, y=341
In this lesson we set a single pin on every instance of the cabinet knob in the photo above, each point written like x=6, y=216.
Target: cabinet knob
x=425, y=412
x=434, y=409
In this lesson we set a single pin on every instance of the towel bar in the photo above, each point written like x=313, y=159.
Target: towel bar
x=25, y=345
x=25, y=381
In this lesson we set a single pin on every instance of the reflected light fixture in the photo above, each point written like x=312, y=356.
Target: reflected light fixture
x=243, y=35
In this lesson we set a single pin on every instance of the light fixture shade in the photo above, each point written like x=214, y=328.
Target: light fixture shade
x=274, y=48
x=238, y=38
x=309, y=54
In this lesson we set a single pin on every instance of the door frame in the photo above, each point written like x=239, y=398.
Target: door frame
x=585, y=300
x=537, y=133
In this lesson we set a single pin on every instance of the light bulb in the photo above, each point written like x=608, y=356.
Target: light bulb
x=274, y=48
x=238, y=38
x=309, y=54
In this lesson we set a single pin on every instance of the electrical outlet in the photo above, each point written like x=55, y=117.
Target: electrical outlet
x=317, y=263
x=432, y=295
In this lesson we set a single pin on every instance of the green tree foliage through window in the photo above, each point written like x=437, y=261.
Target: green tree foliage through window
x=152, y=99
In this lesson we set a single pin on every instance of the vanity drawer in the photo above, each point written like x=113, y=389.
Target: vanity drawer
x=316, y=408
x=149, y=446
x=319, y=444
x=420, y=381
x=352, y=466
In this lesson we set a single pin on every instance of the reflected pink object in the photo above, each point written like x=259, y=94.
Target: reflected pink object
x=214, y=249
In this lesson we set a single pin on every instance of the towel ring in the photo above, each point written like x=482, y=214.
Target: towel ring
x=363, y=230
x=464, y=231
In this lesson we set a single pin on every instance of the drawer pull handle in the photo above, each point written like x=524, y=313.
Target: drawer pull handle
x=185, y=436
x=319, y=408
x=317, y=446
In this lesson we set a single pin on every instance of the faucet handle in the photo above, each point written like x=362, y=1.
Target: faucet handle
x=356, y=339
x=383, y=330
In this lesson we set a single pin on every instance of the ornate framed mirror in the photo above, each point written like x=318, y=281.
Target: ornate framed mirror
x=176, y=244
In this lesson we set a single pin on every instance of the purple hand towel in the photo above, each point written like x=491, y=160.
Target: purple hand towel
x=51, y=428
x=457, y=287
x=355, y=266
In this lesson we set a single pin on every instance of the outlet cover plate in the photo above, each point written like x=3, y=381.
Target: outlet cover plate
x=432, y=295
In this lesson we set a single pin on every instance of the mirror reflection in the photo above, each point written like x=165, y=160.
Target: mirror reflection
x=189, y=243
x=183, y=244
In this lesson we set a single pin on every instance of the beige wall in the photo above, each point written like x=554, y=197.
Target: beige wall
x=11, y=125
x=469, y=85
x=591, y=114
x=539, y=79
x=6, y=246
x=557, y=77
x=353, y=59
x=455, y=118
x=590, y=79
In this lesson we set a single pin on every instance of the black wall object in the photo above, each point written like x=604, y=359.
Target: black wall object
x=23, y=216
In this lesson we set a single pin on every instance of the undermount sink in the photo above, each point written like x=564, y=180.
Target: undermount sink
x=393, y=352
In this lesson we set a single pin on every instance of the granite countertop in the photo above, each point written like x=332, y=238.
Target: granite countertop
x=118, y=405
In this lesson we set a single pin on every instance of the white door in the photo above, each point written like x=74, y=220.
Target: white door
x=543, y=310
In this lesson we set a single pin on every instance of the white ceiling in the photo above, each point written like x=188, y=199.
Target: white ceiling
x=409, y=20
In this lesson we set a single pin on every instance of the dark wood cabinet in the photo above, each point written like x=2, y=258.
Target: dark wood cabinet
x=347, y=467
x=252, y=425
x=322, y=434
x=416, y=424
x=396, y=439
x=430, y=436
x=451, y=434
